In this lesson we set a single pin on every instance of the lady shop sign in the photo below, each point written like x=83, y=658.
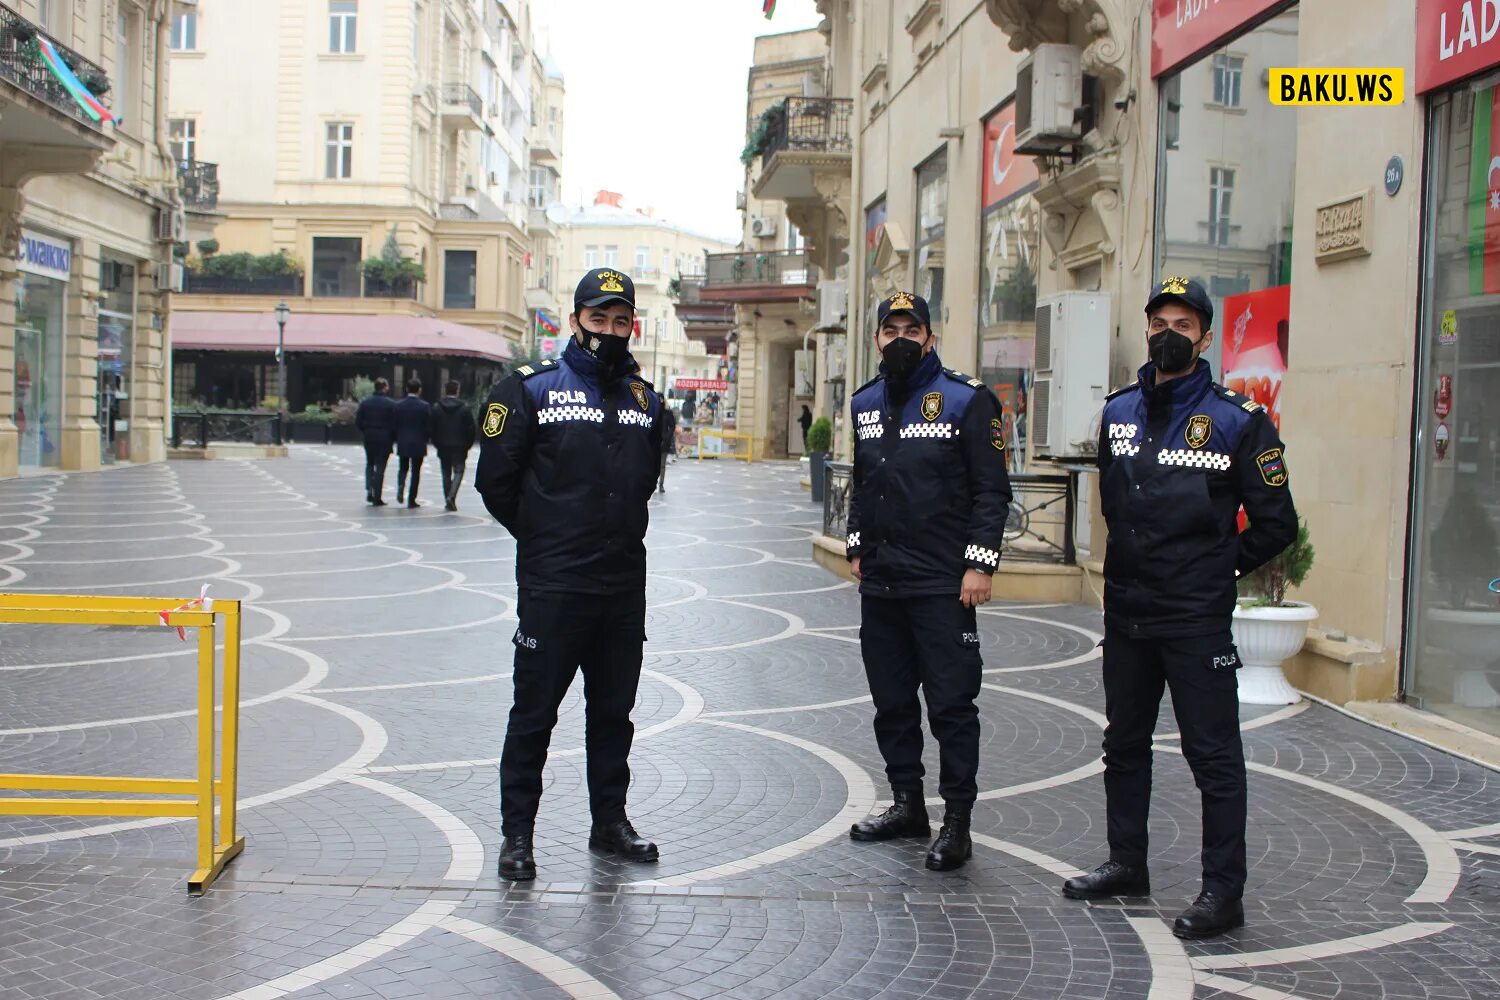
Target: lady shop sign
x=1180, y=29
x=1455, y=38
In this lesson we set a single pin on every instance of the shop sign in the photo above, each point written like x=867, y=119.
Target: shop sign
x=1448, y=329
x=1343, y=229
x=1180, y=29
x=1005, y=174
x=1440, y=441
x=701, y=384
x=1442, y=403
x=1455, y=38
x=45, y=256
x=1257, y=325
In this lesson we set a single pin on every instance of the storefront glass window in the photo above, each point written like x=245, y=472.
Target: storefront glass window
x=116, y=349
x=39, y=376
x=1227, y=160
x=932, y=214
x=1453, y=641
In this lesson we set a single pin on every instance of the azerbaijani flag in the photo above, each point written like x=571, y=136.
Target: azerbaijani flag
x=1484, y=195
x=87, y=101
x=768, y=8
x=545, y=323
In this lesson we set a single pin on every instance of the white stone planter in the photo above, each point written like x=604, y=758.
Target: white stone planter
x=1266, y=638
x=1473, y=637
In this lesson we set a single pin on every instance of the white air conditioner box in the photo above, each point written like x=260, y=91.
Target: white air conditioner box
x=169, y=277
x=1072, y=374
x=833, y=304
x=762, y=227
x=171, y=224
x=1049, y=91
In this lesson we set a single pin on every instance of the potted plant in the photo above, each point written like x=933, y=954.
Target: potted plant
x=1268, y=628
x=311, y=425
x=819, y=440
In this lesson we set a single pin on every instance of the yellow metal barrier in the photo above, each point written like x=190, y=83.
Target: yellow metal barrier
x=204, y=790
x=732, y=439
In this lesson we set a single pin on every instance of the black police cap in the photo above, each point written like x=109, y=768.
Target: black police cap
x=602, y=286
x=1186, y=291
x=904, y=302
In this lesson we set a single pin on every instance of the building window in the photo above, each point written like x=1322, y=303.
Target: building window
x=642, y=258
x=421, y=146
x=666, y=262
x=932, y=207
x=336, y=266
x=127, y=61
x=1227, y=71
x=590, y=258
x=339, y=163
x=1171, y=113
x=185, y=31
x=460, y=271
x=540, y=193
x=1220, y=194
x=342, y=18
x=183, y=135
x=611, y=256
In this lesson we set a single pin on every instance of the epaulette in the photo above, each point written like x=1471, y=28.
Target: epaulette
x=1243, y=402
x=968, y=380
x=867, y=385
x=1122, y=390
x=526, y=371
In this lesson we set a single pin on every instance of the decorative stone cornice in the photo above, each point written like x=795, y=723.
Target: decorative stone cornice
x=1089, y=192
x=1029, y=23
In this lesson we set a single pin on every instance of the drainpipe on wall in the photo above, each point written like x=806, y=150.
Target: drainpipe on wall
x=161, y=13
x=855, y=346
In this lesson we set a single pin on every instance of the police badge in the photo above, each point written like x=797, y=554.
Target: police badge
x=997, y=435
x=494, y=419
x=639, y=392
x=932, y=406
x=1198, y=430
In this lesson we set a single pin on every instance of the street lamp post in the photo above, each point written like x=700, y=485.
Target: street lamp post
x=283, y=311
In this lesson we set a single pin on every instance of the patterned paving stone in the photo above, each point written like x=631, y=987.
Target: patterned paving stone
x=376, y=676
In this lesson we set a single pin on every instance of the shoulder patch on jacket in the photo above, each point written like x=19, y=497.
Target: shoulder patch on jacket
x=959, y=376
x=526, y=371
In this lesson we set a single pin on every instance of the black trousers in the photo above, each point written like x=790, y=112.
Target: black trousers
x=376, y=456
x=558, y=634
x=931, y=644
x=452, y=463
x=413, y=465
x=1205, y=697
x=661, y=482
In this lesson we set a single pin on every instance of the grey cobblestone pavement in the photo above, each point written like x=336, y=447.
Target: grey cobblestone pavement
x=377, y=680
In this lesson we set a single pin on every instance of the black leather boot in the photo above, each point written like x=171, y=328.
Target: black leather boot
x=516, y=861
x=907, y=817
x=1211, y=914
x=619, y=837
x=953, y=846
x=1109, y=879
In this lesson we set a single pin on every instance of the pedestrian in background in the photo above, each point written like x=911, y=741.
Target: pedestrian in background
x=806, y=421
x=1179, y=455
x=413, y=418
x=376, y=421
x=926, y=518
x=453, y=434
x=668, y=444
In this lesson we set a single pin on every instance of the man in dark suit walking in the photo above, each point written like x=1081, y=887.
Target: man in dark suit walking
x=453, y=432
x=376, y=421
x=413, y=418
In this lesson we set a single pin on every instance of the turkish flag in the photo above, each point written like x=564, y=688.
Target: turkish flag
x=1484, y=196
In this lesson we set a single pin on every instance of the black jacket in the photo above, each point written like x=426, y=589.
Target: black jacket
x=1176, y=462
x=452, y=425
x=930, y=491
x=376, y=420
x=412, y=416
x=668, y=431
x=568, y=458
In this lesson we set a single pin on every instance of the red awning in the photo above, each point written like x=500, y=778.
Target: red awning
x=334, y=333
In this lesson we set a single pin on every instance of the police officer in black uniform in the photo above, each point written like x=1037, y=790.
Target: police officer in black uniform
x=926, y=516
x=1179, y=455
x=569, y=453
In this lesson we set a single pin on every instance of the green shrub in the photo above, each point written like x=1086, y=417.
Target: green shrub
x=314, y=414
x=1267, y=586
x=820, y=435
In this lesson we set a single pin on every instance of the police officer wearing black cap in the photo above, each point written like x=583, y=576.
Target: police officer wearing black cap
x=569, y=453
x=1179, y=455
x=926, y=516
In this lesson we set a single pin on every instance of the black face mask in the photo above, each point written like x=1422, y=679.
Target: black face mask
x=610, y=351
x=901, y=357
x=1170, y=351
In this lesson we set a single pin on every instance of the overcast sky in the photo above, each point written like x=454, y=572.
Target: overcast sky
x=656, y=99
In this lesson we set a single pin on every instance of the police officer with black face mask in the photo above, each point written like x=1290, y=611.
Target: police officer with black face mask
x=569, y=454
x=926, y=516
x=1179, y=455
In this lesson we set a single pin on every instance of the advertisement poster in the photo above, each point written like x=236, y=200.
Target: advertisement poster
x=1254, y=332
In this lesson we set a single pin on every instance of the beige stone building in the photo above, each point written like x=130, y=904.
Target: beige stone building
x=545, y=212
x=654, y=252
x=338, y=125
x=88, y=211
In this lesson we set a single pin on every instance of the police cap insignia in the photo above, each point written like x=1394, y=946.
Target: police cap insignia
x=1174, y=286
x=609, y=281
x=902, y=300
x=1272, y=467
x=1199, y=428
x=932, y=406
x=997, y=435
x=494, y=419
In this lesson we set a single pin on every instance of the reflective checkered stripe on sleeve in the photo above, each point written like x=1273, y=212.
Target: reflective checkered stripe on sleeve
x=1195, y=459
x=980, y=554
x=636, y=417
x=1124, y=448
x=868, y=431
x=853, y=540
x=927, y=431
x=562, y=414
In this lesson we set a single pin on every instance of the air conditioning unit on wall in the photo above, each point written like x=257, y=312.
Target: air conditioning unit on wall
x=1049, y=95
x=171, y=225
x=1072, y=374
x=169, y=277
x=833, y=304
x=763, y=227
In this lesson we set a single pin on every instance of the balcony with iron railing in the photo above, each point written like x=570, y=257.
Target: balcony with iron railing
x=462, y=107
x=709, y=323
x=753, y=276
x=199, y=184
x=22, y=66
x=799, y=136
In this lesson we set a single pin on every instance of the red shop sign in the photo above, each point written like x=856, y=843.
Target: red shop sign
x=1005, y=173
x=1180, y=29
x=1455, y=38
x=702, y=384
